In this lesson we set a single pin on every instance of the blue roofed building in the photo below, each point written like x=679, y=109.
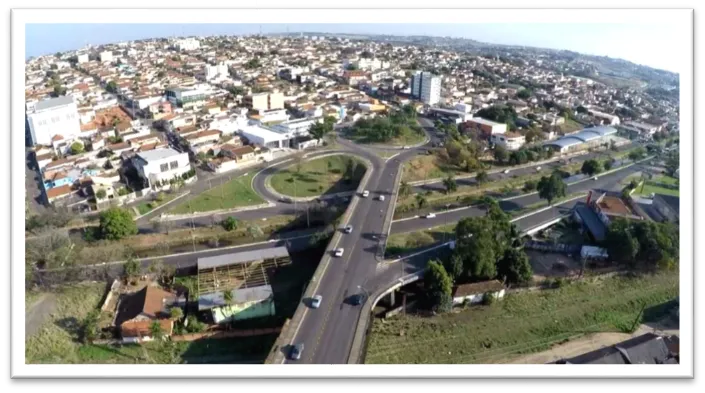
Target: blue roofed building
x=581, y=140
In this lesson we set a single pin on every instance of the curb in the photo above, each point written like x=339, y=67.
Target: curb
x=161, y=206
x=176, y=217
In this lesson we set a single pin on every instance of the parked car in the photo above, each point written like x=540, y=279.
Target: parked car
x=406, y=147
x=431, y=215
x=296, y=351
x=316, y=301
x=594, y=178
x=349, y=229
x=506, y=171
x=339, y=252
x=381, y=198
x=357, y=299
x=538, y=168
x=365, y=194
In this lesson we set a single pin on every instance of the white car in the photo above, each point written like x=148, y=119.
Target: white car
x=431, y=215
x=365, y=194
x=506, y=171
x=406, y=147
x=339, y=252
x=594, y=178
x=381, y=198
x=538, y=168
x=349, y=229
x=316, y=301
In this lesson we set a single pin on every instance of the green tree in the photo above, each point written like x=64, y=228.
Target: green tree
x=607, y=164
x=481, y=177
x=591, y=167
x=100, y=194
x=450, y=184
x=320, y=130
x=228, y=297
x=89, y=326
x=620, y=241
x=613, y=146
x=156, y=331
x=500, y=154
x=116, y=223
x=581, y=109
x=404, y=189
x=132, y=268
x=161, y=74
x=454, y=267
x=421, y=201
x=176, y=313
x=255, y=231
x=475, y=246
x=672, y=162
x=551, y=187
x=524, y=94
x=438, y=286
x=530, y=185
x=229, y=224
x=637, y=154
x=111, y=87
x=514, y=267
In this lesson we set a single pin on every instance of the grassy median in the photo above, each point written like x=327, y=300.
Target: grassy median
x=520, y=323
x=326, y=175
x=227, y=194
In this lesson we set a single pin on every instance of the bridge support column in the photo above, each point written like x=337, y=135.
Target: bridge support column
x=391, y=298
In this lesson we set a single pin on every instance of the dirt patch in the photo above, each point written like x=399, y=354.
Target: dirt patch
x=552, y=265
x=39, y=312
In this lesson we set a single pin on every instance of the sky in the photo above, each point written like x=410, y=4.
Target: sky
x=639, y=43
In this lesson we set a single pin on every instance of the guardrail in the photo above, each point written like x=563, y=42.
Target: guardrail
x=289, y=332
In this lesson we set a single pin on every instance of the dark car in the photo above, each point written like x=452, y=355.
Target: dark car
x=296, y=351
x=357, y=300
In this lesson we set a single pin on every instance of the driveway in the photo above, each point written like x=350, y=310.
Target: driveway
x=38, y=313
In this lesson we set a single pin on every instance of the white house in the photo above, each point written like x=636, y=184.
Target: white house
x=264, y=137
x=509, y=140
x=161, y=165
x=53, y=117
x=106, y=56
x=475, y=293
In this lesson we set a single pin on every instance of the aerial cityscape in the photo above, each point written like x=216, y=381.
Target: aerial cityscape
x=310, y=197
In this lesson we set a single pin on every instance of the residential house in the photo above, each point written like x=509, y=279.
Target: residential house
x=475, y=293
x=161, y=165
x=137, y=312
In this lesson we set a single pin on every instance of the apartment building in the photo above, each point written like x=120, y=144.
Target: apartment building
x=161, y=165
x=509, y=140
x=186, y=97
x=56, y=117
x=264, y=101
x=426, y=87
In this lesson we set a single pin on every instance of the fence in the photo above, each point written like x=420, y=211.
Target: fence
x=552, y=247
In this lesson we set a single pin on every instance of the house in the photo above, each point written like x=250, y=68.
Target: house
x=485, y=127
x=136, y=312
x=509, y=140
x=161, y=165
x=49, y=118
x=264, y=101
x=474, y=293
x=668, y=206
x=57, y=193
x=648, y=348
x=353, y=78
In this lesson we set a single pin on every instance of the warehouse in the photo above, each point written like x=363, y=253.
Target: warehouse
x=584, y=139
x=264, y=137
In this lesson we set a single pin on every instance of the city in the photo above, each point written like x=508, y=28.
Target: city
x=321, y=198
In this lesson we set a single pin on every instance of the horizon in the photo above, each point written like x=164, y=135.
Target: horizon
x=637, y=42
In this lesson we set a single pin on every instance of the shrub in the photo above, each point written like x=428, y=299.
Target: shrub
x=488, y=299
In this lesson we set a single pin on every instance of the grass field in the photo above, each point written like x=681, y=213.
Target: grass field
x=146, y=207
x=316, y=177
x=402, y=243
x=570, y=126
x=653, y=188
x=407, y=139
x=426, y=167
x=237, y=192
x=520, y=323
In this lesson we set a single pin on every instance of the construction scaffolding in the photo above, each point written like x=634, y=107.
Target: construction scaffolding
x=240, y=270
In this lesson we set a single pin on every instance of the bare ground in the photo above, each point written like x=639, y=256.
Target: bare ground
x=38, y=312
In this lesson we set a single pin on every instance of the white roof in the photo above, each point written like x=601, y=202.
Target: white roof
x=263, y=133
x=158, y=154
x=480, y=120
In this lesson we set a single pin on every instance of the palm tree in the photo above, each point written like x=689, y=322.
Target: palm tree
x=421, y=201
x=176, y=313
x=450, y=184
x=228, y=297
x=155, y=329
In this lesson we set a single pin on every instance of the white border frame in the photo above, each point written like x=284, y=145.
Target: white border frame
x=681, y=20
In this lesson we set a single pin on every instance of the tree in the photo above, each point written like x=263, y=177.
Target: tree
x=591, y=167
x=100, y=194
x=637, y=154
x=607, y=164
x=111, y=87
x=481, y=177
x=524, y=94
x=131, y=268
x=438, y=286
x=89, y=327
x=514, y=267
x=320, y=130
x=454, y=267
x=620, y=242
x=450, y=184
x=551, y=187
x=229, y=224
x=116, y=223
x=161, y=74
x=228, y=297
x=255, y=231
x=500, y=154
x=156, y=331
x=613, y=146
x=176, y=313
x=404, y=189
x=421, y=201
x=530, y=185
x=475, y=246
x=672, y=162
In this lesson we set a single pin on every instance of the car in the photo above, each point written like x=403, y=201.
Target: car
x=381, y=198
x=285, y=200
x=406, y=147
x=349, y=229
x=431, y=215
x=365, y=194
x=296, y=351
x=506, y=171
x=357, y=299
x=316, y=301
x=538, y=168
x=594, y=178
x=339, y=252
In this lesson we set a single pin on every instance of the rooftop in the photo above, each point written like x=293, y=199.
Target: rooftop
x=478, y=287
x=241, y=257
x=154, y=155
x=243, y=295
x=53, y=103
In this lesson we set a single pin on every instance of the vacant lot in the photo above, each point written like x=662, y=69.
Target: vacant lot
x=230, y=194
x=402, y=243
x=571, y=126
x=426, y=167
x=520, y=323
x=325, y=175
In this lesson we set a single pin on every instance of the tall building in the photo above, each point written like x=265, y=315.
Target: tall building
x=49, y=118
x=264, y=101
x=187, y=44
x=106, y=56
x=216, y=71
x=426, y=87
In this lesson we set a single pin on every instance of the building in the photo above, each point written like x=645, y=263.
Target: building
x=605, y=118
x=264, y=101
x=265, y=137
x=296, y=127
x=136, y=312
x=509, y=140
x=270, y=116
x=475, y=293
x=648, y=348
x=456, y=116
x=187, y=44
x=202, y=140
x=106, y=56
x=246, y=276
x=581, y=140
x=218, y=71
x=486, y=128
x=595, y=214
x=161, y=165
x=186, y=97
x=640, y=129
x=426, y=87
x=354, y=77
x=668, y=206
x=82, y=58
x=55, y=117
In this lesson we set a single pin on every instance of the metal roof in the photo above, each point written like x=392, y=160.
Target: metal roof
x=241, y=257
x=565, y=142
x=244, y=295
x=158, y=154
x=584, y=135
x=53, y=102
